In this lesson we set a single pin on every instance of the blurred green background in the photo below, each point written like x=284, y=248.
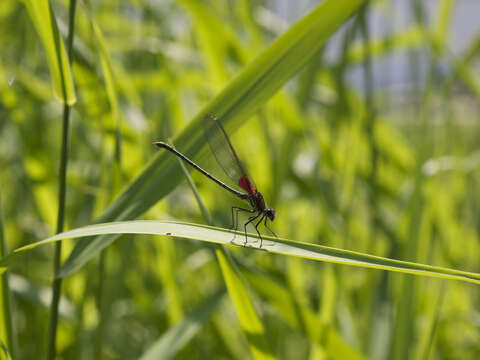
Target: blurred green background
x=372, y=147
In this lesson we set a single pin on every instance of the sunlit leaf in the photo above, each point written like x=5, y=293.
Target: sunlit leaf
x=43, y=18
x=270, y=245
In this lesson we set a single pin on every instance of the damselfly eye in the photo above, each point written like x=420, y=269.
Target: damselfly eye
x=271, y=214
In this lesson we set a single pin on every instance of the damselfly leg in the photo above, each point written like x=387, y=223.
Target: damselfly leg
x=273, y=233
x=256, y=228
x=235, y=219
x=250, y=219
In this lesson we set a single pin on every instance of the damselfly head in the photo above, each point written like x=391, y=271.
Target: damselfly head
x=270, y=214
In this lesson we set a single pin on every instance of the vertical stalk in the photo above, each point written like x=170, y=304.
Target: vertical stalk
x=404, y=335
x=7, y=330
x=57, y=282
x=377, y=299
x=370, y=119
x=101, y=307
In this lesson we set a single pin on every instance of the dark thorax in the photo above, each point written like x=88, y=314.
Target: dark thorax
x=257, y=202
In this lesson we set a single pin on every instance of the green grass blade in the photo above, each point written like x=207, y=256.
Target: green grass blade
x=249, y=320
x=109, y=78
x=443, y=22
x=404, y=330
x=427, y=337
x=43, y=18
x=171, y=342
x=7, y=335
x=212, y=36
x=107, y=68
x=271, y=245
x=241, y=98
x=63, y=57
x=201, y=205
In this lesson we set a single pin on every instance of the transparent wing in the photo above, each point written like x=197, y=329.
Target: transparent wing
x=224, y=153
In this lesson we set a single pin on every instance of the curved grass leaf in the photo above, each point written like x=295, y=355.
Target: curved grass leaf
x=109, y=78
x=43, y=19
x=257, y=83
x=251, y=324
x=271, y=245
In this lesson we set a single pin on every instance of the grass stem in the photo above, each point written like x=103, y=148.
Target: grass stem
x=7, y=335
x=57, y=282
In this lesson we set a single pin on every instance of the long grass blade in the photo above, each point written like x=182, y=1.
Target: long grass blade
x=7, y=335
x=43, y=18
x=271, y=245
x=249, y=320
x=69, y=100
